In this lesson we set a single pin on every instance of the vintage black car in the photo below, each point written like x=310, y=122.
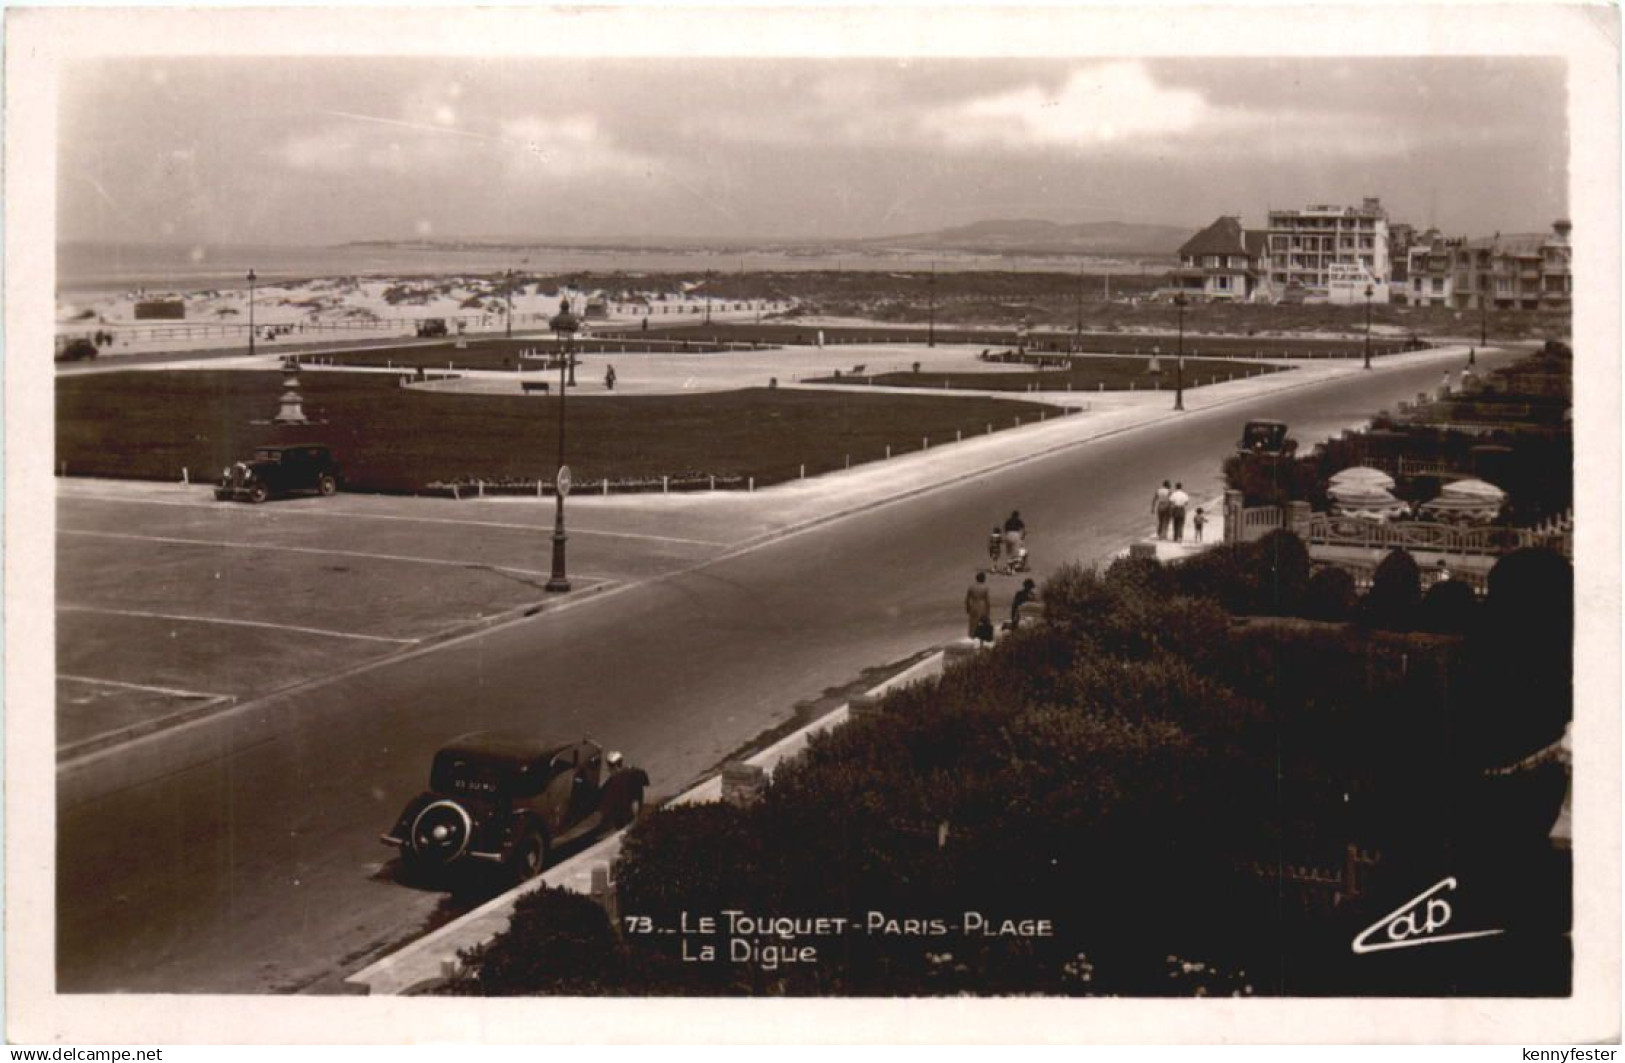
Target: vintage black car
x=280, y=470
x=510, y=800
x=1266, y=438
x=434, y=326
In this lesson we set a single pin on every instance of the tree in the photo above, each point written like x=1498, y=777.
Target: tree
x=1448, y=608
x=1281, y=572
x=1330, y=595
x=1396, y=590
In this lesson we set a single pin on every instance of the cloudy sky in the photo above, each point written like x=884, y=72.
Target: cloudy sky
x=324, y=150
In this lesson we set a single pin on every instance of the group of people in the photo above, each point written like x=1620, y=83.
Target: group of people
x=1007, y=554
x=979, y=607
x=1168, y=505
x=1007, y=545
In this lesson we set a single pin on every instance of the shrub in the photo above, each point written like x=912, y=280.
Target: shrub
x=1330, y=595
x=1144, y=575
x=1522, y=656
x=1281, y=573
x=1396, y=589
x=1226, y=574
x=557, y=943
x=1448, y=608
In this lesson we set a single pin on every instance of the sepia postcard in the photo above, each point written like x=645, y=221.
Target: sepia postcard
x=809, y=523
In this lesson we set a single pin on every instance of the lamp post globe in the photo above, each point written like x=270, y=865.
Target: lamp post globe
x=564, y=325
x=1180, y=302
x=251, y=279
x=1368, y=292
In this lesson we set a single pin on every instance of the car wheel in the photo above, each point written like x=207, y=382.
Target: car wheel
x=440, y=833
x=529, y=855
x=327, y=486
x=258, y=493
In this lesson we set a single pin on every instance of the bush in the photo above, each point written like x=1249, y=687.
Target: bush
x=1282, y=572
x=1396, y=590
x=1522, y=655
x=557, y=943
x=1226, y=574
x=1144, y=575
x=1448, y=608
x=1331, y=595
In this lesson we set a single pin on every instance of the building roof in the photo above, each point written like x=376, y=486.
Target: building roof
x=1517, y=244
x=1223, y=237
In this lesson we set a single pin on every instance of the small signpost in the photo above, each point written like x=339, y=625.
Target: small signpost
x=562, y=483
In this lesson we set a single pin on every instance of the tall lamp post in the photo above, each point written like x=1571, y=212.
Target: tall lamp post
x=251, y=279
x=1077, y=329
x=1179, y=378
x=931, y=308
x=1368, y=326
x=564, y=325
x=508, y=277
x=1483, y=317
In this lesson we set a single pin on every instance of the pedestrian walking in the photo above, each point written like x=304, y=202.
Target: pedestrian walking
x=1199, y=522
x=609, y=378
x=979, y=610
x=1015, y=530
x=995, y=546
x=1176, y=511
x=1160, y=508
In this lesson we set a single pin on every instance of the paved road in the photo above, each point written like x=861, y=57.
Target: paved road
x=248, y=861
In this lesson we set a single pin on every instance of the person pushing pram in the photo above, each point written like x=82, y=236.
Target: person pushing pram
x=1014, y=536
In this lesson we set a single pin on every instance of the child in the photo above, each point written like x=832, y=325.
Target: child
x=1198, y=522
x=995, y=547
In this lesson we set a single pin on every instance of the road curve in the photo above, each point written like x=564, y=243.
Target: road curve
x=257, y=869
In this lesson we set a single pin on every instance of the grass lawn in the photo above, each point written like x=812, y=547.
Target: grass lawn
x=1086, y=374
x=505, y=353
x=1049, y=340
x=147, y=425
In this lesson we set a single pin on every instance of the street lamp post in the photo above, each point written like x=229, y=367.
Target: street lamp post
x=1179, y=376
x=251, y=279
x=1483, y=319
x=564, y=325
x=1077, y=329
x=931, y=307
x=508, y=277
x=1368, y=326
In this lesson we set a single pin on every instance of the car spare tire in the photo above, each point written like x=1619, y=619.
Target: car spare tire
x=440, y=832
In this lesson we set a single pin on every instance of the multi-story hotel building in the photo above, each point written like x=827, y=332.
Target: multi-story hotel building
x=1520, y=271
x=1430, y=278
x=1330, y=253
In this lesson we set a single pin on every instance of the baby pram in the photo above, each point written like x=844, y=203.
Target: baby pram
x=1015, y=562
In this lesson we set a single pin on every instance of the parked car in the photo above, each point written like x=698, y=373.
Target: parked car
x=279, y=470
x=510, y=800
x=79, y=350
x=433, y=326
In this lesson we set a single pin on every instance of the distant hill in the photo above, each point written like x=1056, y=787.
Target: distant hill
x=1032, y=235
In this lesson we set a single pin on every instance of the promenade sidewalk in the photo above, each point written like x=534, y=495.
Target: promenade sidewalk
x=799, y=502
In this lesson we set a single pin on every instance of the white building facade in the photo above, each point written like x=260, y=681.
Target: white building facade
x=1330, y=253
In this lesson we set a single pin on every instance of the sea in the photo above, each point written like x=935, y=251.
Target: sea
x=87, y=269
